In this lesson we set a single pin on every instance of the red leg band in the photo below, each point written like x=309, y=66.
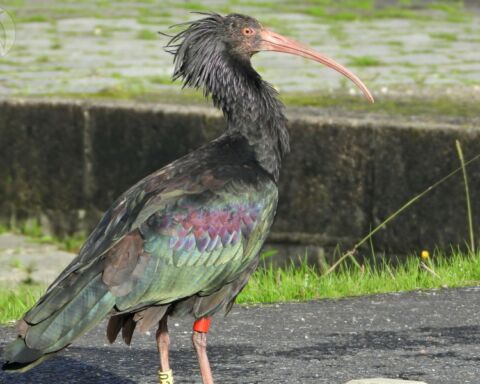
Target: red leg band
x=202, y=325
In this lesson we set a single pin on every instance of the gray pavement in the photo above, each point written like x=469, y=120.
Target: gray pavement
x=432, y=337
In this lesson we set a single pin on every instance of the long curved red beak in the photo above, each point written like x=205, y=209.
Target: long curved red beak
x=272, y=41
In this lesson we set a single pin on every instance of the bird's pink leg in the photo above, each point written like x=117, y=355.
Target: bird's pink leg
x=199, y=339
x=163, y=345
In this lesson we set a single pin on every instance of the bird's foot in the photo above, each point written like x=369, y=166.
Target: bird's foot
x=165, y=377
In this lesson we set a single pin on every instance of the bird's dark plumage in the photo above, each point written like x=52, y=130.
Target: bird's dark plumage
x=185, y=239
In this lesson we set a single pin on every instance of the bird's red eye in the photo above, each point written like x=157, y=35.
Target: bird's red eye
x=248, y=31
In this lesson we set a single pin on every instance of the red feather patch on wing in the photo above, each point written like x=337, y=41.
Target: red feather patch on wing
x=208, y=229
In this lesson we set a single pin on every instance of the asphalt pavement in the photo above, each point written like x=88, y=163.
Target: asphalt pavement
x=431, y=336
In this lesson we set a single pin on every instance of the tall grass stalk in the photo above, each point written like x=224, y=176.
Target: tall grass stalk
x=351, y=253
x=467, y=195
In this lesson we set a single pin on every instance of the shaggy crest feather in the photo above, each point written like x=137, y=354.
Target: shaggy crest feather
x=205, y=58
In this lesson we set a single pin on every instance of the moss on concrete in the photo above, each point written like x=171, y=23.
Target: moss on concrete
x=401, y=106
x=437, y=107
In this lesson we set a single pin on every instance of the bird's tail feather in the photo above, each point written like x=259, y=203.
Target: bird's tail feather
x=58, y=327
x=20, y=358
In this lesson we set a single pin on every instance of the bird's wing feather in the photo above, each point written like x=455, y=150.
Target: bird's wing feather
x=195, y=244
x=128, y=212
x=166, y=240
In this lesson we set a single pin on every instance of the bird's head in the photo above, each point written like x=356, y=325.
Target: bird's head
x=215, y=40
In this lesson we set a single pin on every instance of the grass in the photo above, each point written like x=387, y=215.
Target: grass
x=453, y=10
x=347, y=10
x=365, y=61
x=192, y=6
x=33, y=19
x=42, y=59
x=295, y=283
x=444, y=36
x=163, y=80
x=146, y=34
x=326, y=10
x=14, y=302
x=304, y=282
x=338, y=32
x=395, y=43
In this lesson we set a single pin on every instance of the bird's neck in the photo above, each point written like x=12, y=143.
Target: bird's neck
x=252, y=109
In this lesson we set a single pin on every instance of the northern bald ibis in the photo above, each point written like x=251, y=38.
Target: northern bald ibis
x=185, y=239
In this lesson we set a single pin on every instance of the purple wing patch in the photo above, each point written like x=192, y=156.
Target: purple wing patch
x=208, y=229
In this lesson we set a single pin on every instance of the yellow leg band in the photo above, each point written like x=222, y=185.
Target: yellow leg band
x=165, y=377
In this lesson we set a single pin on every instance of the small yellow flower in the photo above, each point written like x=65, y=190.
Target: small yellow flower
x=425, y=255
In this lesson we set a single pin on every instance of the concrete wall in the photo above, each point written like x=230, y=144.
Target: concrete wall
x=65, y=162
